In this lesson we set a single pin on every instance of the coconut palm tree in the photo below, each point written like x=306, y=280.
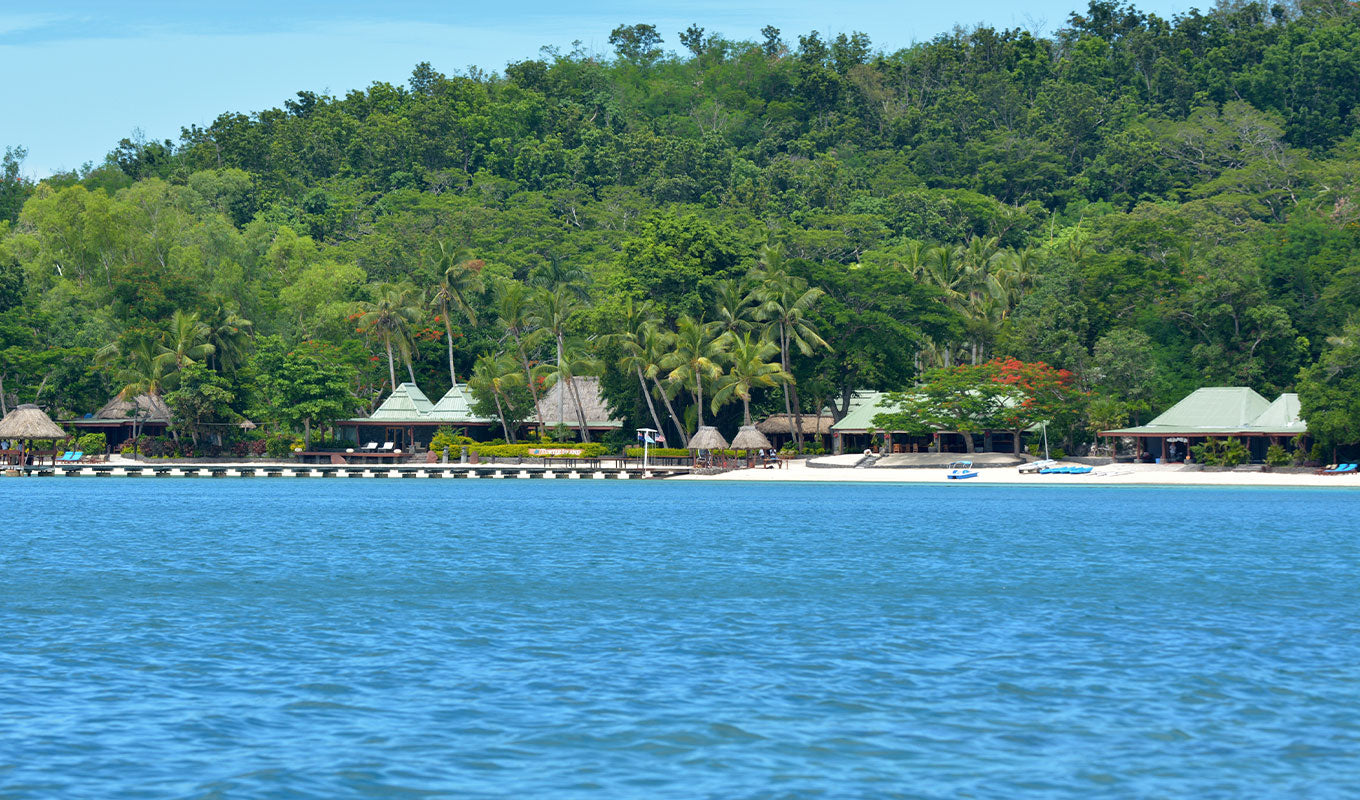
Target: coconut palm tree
x=656, y=344
x=696, y=357
x=143, y=372
x=461, y=277
x=733, y=305
x=185, y=343
x=574, y=360
x=785, y=301
x=750, y=366
x=552, y=310
x=389, y=317
x=230, y=334
x=512, y=305
x=497, y=374
x=635, y=322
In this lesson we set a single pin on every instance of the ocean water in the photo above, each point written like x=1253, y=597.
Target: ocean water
x=254, y=638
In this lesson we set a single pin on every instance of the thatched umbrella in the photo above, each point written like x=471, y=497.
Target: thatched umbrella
x=748, y=438
x=707, y=438
x=28, y=422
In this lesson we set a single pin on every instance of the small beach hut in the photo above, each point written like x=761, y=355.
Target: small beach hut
x=748, y=439
x=708, y=439
x=27, y=423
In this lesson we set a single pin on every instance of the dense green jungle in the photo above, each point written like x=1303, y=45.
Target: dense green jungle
x=723, y=228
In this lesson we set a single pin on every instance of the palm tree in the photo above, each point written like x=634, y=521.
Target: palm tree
x=229, y=338
x=512, y=305
x=390, y=317
x=785, y=301
x=656, y=344
x=143, y=373
x=733, y=303
x=638, y=319
x=461, y=277
x=552, y=312
x=497, y=374
x=186, y=342
x=696, y=357
x=574, y=360
x=750, y=367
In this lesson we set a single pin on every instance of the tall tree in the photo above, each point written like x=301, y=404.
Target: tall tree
x=749, y=367
x=460, y=278
x=696, y=357
x=389, y=317
x=784, y=302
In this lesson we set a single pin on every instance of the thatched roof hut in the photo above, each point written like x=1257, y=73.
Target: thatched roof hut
x=147, y=407
x=707, y=438
x=29, y=422
x=748, y=438
x=783, y=424
x=561, y=398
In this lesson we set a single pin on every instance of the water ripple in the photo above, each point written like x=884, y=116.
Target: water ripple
x=323, y=639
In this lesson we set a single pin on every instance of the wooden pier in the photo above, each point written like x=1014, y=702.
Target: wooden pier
x=398, y=471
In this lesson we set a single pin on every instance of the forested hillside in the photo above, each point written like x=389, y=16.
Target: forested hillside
x=1151, y=204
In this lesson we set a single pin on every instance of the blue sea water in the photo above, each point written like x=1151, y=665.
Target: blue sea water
x=258, y=638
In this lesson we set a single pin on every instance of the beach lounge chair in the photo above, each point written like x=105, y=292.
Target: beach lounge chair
x=68, y=457
x=387, y=447
x=368, y=448
x=1341, y=469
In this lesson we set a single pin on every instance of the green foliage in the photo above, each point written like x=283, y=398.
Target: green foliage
x=586, y=450
x=91, y=443
x=1221, y=452
x=1153, y=204
x=1277, y=456
x=1329, y=391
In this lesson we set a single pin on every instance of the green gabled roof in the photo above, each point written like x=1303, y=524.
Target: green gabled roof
x=1281, y=416
x=1214, y=409
x=864, y=406
x=454, y=407
x=406, y=404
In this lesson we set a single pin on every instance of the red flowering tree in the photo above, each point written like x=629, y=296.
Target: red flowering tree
x=1040, y=393
x=1002, y=394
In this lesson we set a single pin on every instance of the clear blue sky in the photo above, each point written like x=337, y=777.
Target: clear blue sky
x=82, y=74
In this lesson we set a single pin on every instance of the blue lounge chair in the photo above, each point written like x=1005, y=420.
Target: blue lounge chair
x=1341, y=469
x=69, y=457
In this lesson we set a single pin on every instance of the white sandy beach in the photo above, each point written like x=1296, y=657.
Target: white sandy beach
x=1113, y=475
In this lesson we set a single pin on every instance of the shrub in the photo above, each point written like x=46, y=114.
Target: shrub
x=92, y=443
x=489, y=450
x=1277, y=456
x=278, y=445
x=1221, y=452
x=445, y=437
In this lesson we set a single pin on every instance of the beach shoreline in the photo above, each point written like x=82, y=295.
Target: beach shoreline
x=1112, y=475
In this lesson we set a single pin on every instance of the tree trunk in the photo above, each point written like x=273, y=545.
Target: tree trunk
x=529, y=376
x=448, y=333
x=580, y=411
x=501, y=413
x=675, y=420
x=699, y=397
x=410, y=369
x=391, y=362
x=746, y=410
x=968, y=445
x=793, y=388
x=1016, y=448
x=651, y=404
x=307, y=433
x=562, y=394
x=3, y=410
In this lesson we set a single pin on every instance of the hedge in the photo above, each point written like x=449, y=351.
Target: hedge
x=676, y=452
x=586, y=450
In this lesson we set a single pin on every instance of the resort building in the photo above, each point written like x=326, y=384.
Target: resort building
x=852, y=433
x=557, y=408
x=1218, y=412
x=409, y=420
x=120, y=420
x=779, y=428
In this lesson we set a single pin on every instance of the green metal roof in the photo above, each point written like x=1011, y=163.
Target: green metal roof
x=864, y=406
x=454, y=407
x=1213, y=409
x=1282, y=416
x=406, y=404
